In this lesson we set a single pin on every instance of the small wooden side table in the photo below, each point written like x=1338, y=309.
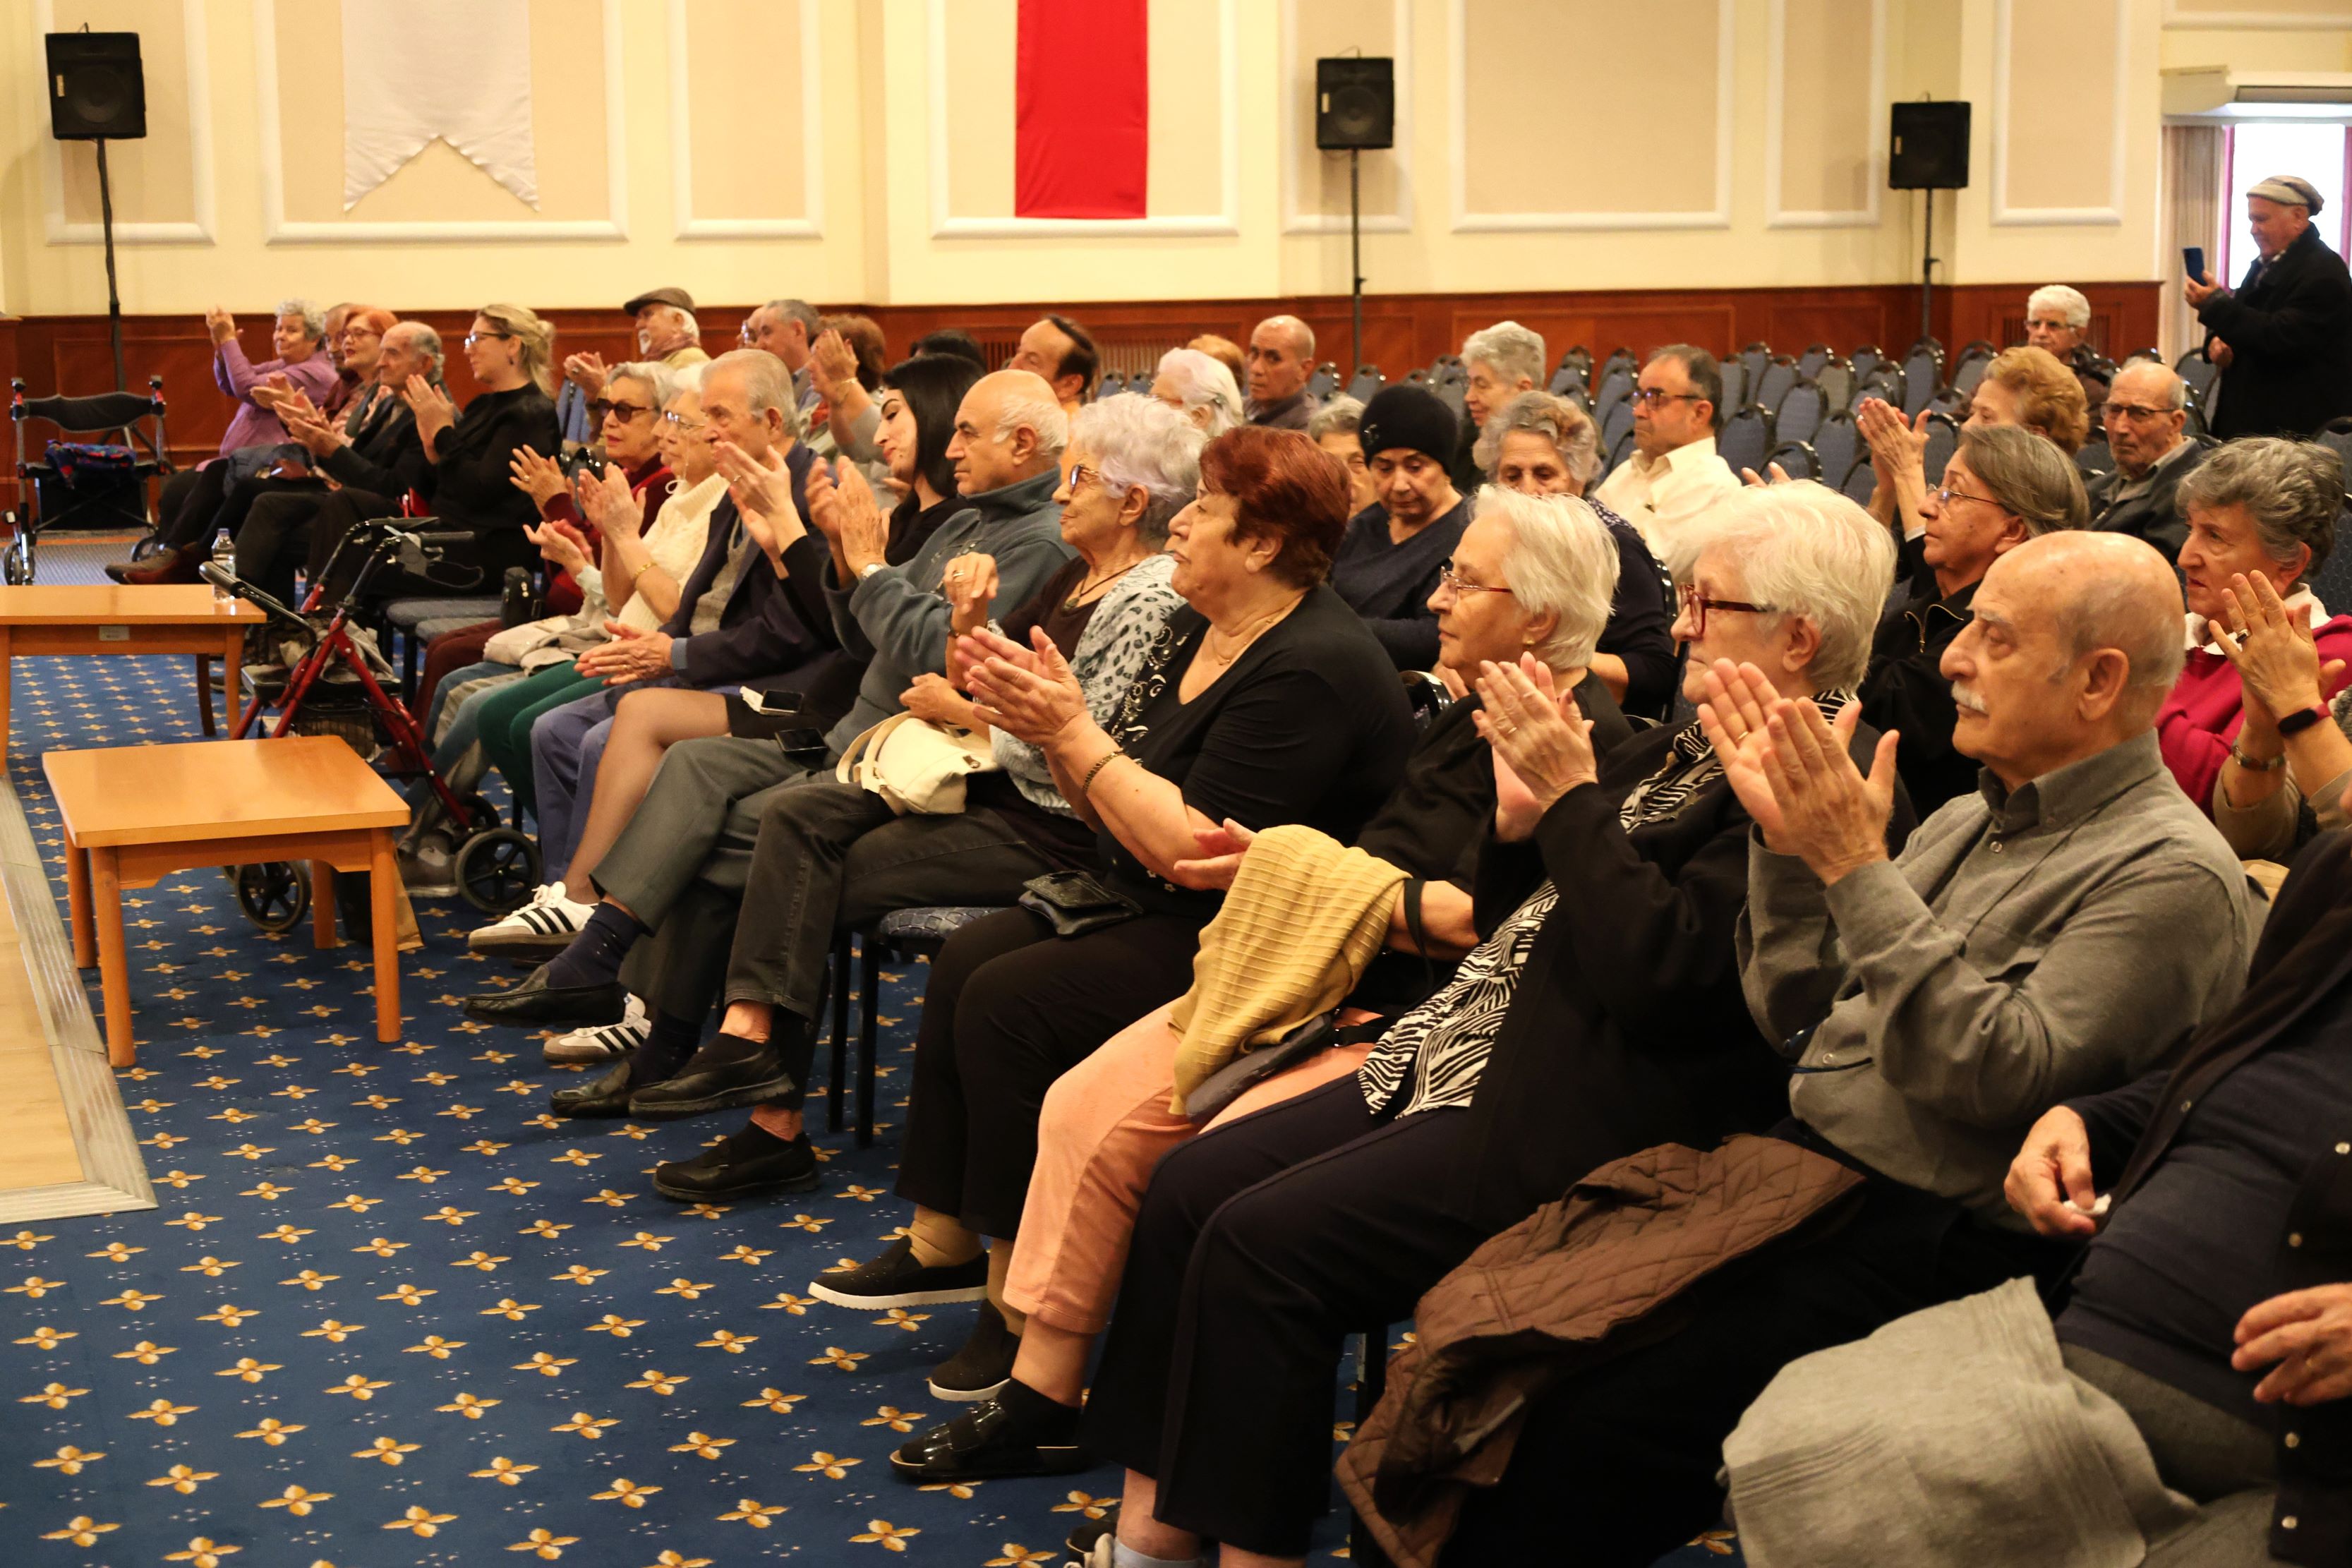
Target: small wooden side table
x=121, y=617
x=133, y=815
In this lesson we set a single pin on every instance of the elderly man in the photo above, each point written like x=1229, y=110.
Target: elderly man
x=2059, y=933
x=1007, y=450
x=1394, y=551
x=1281, y=357
x=667, y=333
x=789, y=329
x=2284, y=337
x=1059, y=350
x=2146, y=416
x=1674, y=474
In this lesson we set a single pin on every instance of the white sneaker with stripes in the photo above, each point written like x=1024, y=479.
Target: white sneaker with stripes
x=542, y=926
x=605, y=1042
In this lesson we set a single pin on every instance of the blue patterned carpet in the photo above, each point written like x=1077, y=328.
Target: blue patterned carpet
x=391, y=1312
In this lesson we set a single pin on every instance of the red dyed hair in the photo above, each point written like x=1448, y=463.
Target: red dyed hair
x=1287, y=487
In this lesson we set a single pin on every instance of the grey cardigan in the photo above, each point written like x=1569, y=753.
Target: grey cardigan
x=1109, y=656
x=2027, y=946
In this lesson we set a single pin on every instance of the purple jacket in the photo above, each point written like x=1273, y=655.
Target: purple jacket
x=255, y=425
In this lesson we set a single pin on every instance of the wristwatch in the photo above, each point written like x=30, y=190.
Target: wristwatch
x=2303, y=719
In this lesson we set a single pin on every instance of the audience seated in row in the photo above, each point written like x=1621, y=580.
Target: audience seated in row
x=1281, y=359
x=1673, y=474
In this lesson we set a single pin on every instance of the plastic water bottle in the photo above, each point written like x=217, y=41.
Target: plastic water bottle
x=224, y=558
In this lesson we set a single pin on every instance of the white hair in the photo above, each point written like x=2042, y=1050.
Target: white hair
x=687, y=378
x=659, y=378
x=766, y=384
x=1802, y=549
x=1043, y=416
x=685, y=320
x=1339, y=415
x=1562, y=559
x=1140, y=442
x=2059, y=297
x=314, y=320
x=1508, y=349
x=1202, y=382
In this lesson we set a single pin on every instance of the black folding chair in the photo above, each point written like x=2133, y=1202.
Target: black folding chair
x=131, y=419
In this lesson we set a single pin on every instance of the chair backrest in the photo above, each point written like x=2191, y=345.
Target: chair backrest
x=1865, y=359
x=1619, y=359
x=2195, y=427
x=1449, y=369
x=1800, y=412
x=2139, y=356
x=1816, y=355
x=1417, y=377
x=2332, y=584
x=1614, y=389
x=2336, y=437
x=1580, y=358
x=1951, y=400
x=1616, y=421
x=1968, y=374
x=1450, y=392
x=1883, y=381
x=1735, y=384
x=1943, y=439
x=1797, y=460
x=1565, y=377
x=1113, y=384
x=1756, y=357
x=1836, y=381
x=1745, y=438
x=1923, y=372
x=1324, y=382
x=1861, y=481
x=1773, y=382
x=2198, y=371
x=1576, y=393
x=134, y=419
x=1837, y=442
x=1620, y=449
x=1366, y=382
x=2095, y=459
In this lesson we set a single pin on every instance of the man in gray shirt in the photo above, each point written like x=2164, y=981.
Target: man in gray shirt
x=2057, y=933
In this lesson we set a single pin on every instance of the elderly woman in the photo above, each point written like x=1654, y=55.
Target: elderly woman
x=2001, y=488
x=2023, y=386
x=1600, y=1014
x=1540, y=445
x=1389, y=560
x=1199, y=388
x=186, y=505
x=832, y=857
x=1266, y=701
x=1532, y=575
x=2263, y=507
x=1501, y=362
x=2058, y=322
x=1333, y=427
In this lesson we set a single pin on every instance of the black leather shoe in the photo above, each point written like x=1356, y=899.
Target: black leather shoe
x=536, y=1005
x=727, y=1073
x=1019, y=1433
x=751, y=1163
x=606, y=1095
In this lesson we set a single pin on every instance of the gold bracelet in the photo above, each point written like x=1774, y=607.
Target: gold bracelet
x=1087, y=784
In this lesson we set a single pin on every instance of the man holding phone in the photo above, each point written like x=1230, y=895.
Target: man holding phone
x=2283, y=336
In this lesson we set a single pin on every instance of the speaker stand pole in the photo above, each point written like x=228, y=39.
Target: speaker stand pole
x=1927, y=268
x=1355, y=260
x=113, y=301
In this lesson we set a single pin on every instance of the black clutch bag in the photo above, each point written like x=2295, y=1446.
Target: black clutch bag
x=1225, y=1085
x=1075, y=904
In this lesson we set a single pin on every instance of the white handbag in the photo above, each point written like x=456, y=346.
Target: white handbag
x=914, y=765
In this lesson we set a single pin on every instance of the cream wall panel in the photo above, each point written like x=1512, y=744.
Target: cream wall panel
x=2280, y=14
x=162, y=184
x=1509, y=56
x=1315, y=182
x=1825, y=153
x=2061, y=76
x=979, y=37
x=2259, y=49
x=741, y=175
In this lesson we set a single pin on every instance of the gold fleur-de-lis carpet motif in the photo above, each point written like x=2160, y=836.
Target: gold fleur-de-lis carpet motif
x=391, y=1312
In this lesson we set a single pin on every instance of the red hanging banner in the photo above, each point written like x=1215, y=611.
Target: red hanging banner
x=1082, y=109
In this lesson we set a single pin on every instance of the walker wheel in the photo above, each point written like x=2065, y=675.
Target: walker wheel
x=16, y=568
x=498, y=870
x=151, y=545
x=481, y=816
x=274, y=894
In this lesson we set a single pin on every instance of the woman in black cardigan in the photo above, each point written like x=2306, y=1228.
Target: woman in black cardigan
x=1601, y=1014
x=466, y=481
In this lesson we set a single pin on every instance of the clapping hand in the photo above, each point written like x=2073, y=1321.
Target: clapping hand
x=586, y=372
x=555, y=543
x=606, y=501
x=1542, y=744
x=2308, y=1333
x=1029, y=692
x=832, y=362
x=1831, y=816
x=220, y=324
x=431, y=405
x=1894, y=444
x=270, y=391
x=969, y=585
x=631, y=655
x=2274, y=651
x=1220, y=860
x=541, y=479
x=861, y=531
x=316, y=437
x=1732, y=719
x=762, y=492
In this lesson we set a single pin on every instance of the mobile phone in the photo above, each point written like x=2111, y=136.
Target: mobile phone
x=2193, y=258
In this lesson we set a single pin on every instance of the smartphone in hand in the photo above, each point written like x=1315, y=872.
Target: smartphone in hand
x=2193, y=258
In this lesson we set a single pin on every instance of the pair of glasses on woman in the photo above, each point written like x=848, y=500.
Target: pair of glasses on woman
x=1453, y=581
x=618, y=408
x=684, y=425
x=474, y=338
x=1696, y=606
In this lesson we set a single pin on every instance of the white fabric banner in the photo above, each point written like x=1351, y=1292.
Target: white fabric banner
x=415, y=69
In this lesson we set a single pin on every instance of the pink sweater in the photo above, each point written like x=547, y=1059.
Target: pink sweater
x=2200, y=719
x=255, y=425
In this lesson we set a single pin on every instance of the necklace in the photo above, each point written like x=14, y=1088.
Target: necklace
x=1089, y=588
x=1242, y=642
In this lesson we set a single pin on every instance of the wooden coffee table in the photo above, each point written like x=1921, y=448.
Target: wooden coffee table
x=118, y=617
x=134, y=815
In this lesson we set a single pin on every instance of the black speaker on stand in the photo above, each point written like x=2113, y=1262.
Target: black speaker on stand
x=98, y=93
x=1355, y=109
x=1928, y=150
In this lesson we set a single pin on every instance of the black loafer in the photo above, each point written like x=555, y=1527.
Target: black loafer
x=1019, y=1433
x=896, y=1279
x=727, y=1073
x=536, y=1005
x=982, y=1367
x=751, y=1163
x=1080, y=1542
x=606, y=1095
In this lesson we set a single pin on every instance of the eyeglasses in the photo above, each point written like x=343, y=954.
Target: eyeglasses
x=1697, y=605
x=622, y=411
x=350, y=332
x=473, y=337
x=1450, y=579
x=1641, y=396
x=684, y=425
x=1946, y=496
x=2133, y=412
x=1081, y=477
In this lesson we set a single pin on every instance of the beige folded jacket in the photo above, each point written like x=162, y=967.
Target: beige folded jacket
x=1304, y=918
